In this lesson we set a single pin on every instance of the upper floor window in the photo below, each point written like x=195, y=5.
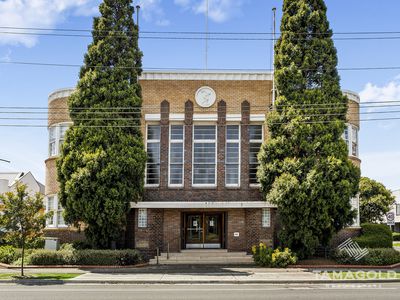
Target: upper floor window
x=176, y=155
x=350, y=136
x=256, y=139
x=153, y=155
x=232, y=156
x=204, y=155
x=56, y=138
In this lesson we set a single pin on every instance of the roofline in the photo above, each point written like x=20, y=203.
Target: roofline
x=351, y=95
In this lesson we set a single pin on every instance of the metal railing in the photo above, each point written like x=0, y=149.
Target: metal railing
x=168, y=249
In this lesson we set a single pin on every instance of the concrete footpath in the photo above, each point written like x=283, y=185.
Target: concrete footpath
x=191, y=275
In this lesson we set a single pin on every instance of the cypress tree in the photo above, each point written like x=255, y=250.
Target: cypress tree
x=101, y=167
x=304, y=166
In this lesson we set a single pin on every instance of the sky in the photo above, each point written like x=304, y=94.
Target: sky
x=27, y=85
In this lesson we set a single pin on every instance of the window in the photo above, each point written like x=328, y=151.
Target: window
x=52, y=141
x=232, y=157
x=256, y=139
x=397, y=209
x=266, y=217
x=153, y=155
x=49, y=208
x=142, y=217
x=56, y=138
x=204, y=155
x=176, y=155
x=350, y=136
x=52, y=205
x=354, y=141
x=63, y=130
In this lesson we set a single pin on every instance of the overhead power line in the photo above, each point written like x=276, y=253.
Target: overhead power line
x=192, y=38
x=189, y=69
x=197, y=32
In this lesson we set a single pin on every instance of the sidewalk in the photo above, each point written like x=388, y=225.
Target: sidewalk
x=192, y=275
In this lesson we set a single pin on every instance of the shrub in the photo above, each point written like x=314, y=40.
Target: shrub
x=375, y=257
x=81, y=245
x=8, y=254
x=267, y=257
x=49, y=257
x=67, y=247
x=85, y=257
x=396, y=236
x=375, y=236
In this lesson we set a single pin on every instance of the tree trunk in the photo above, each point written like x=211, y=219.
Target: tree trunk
x=23, y=257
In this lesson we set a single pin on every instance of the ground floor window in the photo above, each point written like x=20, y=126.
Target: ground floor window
x=266, y=217
x=53, y=205
x=142, y=217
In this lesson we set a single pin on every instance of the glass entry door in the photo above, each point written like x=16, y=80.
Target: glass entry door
x=203, y=230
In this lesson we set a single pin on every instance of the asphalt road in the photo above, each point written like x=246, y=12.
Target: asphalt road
x=196, y=292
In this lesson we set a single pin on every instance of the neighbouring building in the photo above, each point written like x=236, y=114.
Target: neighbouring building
x=203, y=131
x=396, y=210
x=9, y=181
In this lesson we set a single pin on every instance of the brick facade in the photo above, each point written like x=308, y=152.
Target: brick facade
x=247, y=99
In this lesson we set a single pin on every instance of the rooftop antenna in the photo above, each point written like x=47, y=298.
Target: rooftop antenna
x=207, y=9
x=273, y=57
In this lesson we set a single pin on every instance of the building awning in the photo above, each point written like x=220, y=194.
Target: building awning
x=203, y=204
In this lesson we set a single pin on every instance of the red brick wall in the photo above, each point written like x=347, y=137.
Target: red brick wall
x=65, y=235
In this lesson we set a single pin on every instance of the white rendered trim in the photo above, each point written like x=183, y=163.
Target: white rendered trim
x=205, y=117
x=203, y=204
x=176, y=117
x=152, y=117
x=257, y=118
x=233, y=117
x=61, y=93
x=353, y=96
x=206, y=75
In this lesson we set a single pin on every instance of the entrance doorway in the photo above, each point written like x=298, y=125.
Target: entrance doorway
x=204, y=230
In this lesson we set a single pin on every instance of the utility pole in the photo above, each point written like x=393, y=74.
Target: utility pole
x=273, y=57
x=207, y=8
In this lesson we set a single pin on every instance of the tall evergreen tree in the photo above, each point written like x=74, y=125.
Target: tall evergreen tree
x=101, y=168
x=304, y=166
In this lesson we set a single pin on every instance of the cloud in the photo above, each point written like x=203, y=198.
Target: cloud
x=36, y=13
x=7, y=56
x=387, y=92
x=219, y=10
x=153, y=12
x=375, y=93
x=382, y=166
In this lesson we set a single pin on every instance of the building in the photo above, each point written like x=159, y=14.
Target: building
x=396, y=210
x=9, y=180
x=203, y=131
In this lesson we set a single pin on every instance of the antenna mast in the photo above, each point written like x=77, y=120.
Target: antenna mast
x=273, y=57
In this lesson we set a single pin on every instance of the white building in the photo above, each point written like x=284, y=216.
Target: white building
x=9, y=180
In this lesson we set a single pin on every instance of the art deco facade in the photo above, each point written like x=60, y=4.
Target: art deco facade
x=203, y=131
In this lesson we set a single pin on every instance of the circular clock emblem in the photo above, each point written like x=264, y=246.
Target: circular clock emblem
x=205, y=96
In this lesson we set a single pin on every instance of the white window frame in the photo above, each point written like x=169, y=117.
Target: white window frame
x=238, y=141
x=255, y=141
x=266, y=218
x=159, y=155
x=215, y=141
x=57, y=140
x=183, y=153
x=350, y=138
x=56, y=209
x=142, y=218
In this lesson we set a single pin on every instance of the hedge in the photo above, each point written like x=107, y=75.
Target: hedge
x=396, y=236
x=375, y=257
x=85, y=257
x=375, y=236
x=8, y=254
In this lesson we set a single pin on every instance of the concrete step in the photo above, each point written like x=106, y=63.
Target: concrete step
x=208, y=262
x=205, y=257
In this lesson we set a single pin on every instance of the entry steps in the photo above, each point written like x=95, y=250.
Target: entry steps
x=204, y=257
